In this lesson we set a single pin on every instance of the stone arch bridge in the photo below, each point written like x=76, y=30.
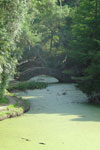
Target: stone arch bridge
x=32, y=72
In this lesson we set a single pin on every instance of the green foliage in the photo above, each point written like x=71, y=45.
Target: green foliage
x=86, y=46
x=58, y=34
x=12, y=15
x=68, y=33
x=4, y=100
x=47, y=32
x=11, y=111
x=27, y=85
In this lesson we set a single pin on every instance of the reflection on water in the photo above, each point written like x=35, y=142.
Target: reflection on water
x=60, y=118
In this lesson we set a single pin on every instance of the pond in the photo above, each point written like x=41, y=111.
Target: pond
x=59, y=119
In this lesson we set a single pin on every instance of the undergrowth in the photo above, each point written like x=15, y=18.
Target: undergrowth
x=4, y=100
x=27, y=85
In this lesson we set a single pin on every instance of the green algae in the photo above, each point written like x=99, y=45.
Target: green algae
x=54, y=122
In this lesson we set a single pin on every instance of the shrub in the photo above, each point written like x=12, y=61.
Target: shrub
x=27, y=85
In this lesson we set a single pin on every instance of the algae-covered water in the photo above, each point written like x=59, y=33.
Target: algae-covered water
x=59, y=119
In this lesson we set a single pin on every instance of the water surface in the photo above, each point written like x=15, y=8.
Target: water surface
x=59, y=119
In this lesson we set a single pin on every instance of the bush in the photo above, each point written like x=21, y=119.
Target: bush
x=27, y=85
x=4, y=100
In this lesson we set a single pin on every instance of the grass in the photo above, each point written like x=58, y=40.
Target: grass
x=14, y=110
x=15, y=106
x=27, y=85
x=11, y=111
x=4, y=100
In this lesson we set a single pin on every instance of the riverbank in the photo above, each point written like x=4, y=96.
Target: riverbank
x=14, y=107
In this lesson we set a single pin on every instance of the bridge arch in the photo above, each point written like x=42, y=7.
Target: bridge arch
x=32, y=72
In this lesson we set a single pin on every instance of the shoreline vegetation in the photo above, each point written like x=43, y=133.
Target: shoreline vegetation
x=22, y=86
x=12, y=105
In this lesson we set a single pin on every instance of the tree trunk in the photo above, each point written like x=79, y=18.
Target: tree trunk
x=60, y=5
x=96, y=11
x=51, y=42
x=4, y=81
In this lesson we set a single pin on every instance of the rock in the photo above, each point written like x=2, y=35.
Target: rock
x=64, y=93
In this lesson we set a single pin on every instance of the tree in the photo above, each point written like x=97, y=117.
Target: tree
x=47, y=32
x=12, y=14
x=86, y=44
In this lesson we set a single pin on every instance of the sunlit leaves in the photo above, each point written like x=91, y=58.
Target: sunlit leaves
x=12, y=16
